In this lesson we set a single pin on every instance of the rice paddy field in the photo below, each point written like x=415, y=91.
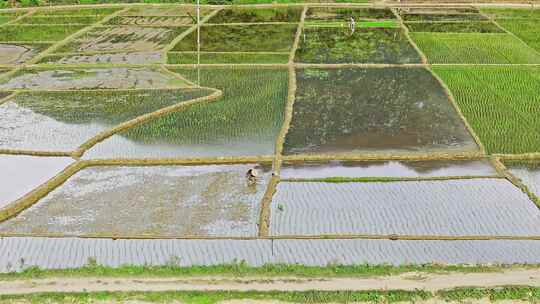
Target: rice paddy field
x=409, y=136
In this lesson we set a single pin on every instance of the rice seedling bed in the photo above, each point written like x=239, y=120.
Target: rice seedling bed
x=104, y=58
x=154, y=201
x=37, y=32
x=512, y=13
x=349, y=111
x=62, y=121
x=21, y=174
x=527, y=30
x=454, y=27
x=528, y=172
x=246, y=15
x=474, y=48
x=60, y=20
x=91, y=78
x=337, y=170
x=500, y=103
x=5, y=19
x=359, y=24
x=152, y=20
x=231, y=58
x=336, y=14
x=245, y=121
x=76, y=11
x=339, y=45
x=241, y=38
x=437, y=10
x=443, y=17
x=123, y=38
x=11, y=53
x=451, y=208
x=165, y=11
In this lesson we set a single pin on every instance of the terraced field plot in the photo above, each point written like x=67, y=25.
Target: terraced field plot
x=245, y=15
x=61, y=121
x=504, y=114
x=157, y=201
x=124, y=38
x=453, y=207
x=92, y=78
x=321, y=44
x=474, y=48
x=244, y=122
x=342, y=170
x=401, y=125
x=347, y=111
x=241, y=38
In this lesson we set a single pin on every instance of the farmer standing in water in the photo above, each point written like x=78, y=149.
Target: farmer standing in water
x=252, y=175
x=352, y=25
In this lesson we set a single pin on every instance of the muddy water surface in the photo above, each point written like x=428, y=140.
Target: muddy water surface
x=110, y=58
x=154, y=201
x=386, y=169
x=21, y=174
x=347, y=111
x=529, y=173
x=18, y=53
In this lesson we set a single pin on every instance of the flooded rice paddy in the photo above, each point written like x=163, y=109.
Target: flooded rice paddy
x=19, y=53
x=528, y=173
x=154, y=201
x=451, y=207
x=351, y=169
x=61, y=121
x=20, y=174
x=340, y=111
x=92, y=78
x=245, y=121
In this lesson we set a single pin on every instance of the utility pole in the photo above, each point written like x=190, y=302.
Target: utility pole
x=198, y=42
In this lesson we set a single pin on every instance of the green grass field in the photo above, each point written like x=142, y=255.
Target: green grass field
x=500, y=103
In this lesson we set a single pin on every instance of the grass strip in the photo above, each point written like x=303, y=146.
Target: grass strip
x=523, y=293
x=242, y=269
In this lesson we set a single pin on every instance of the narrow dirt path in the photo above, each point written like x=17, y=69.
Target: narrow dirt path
x=407, y=281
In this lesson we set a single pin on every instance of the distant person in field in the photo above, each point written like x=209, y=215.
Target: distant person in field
x=352, y=25
x=252, y=176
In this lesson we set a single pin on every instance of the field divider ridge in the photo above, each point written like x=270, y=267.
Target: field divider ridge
x=266, y=201
x=36, y=153
x=144, y=118
x=516, y=181
x=407, y=34
x=369, y=179
x=387, y=157
x=7, y=98
x=389, y=237
x=184, y=34
x=19, y=18
x=179, y=161
x=32, y=197
x=179, y=77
